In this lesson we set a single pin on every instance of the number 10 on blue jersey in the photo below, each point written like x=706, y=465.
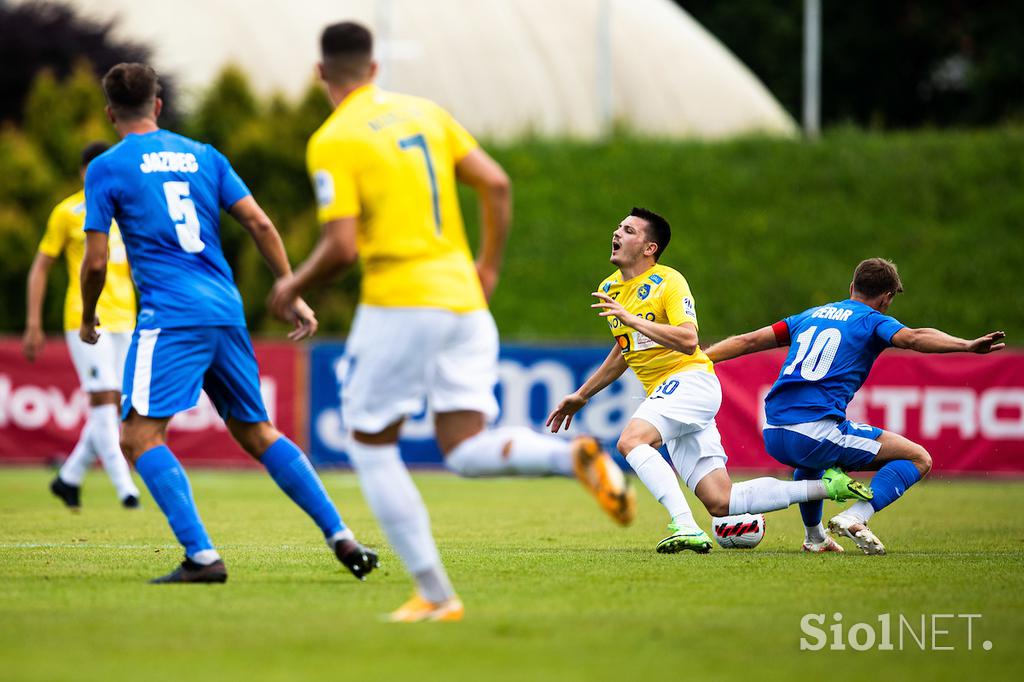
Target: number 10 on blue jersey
x=419, y=142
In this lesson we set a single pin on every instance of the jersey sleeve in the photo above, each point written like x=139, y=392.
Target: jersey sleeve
x=678, y=301
x=232, y=188
x=55, y=237
x=99, y=197
x=334, y=180
x=460, y=141
x=886, y=327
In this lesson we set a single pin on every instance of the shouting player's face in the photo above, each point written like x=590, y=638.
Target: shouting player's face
x=630, y=243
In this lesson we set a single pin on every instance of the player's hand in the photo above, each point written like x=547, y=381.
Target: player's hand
x=488, y=279
x=88, y=332
x=32, y=342
x=609, y=306
x=304, y=319
x=989, y=343
x=282, y=298
x=570, y=405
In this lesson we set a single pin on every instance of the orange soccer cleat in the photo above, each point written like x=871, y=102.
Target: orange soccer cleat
x=599, y=474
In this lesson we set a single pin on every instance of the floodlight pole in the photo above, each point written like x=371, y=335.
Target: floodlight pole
x=812, y=68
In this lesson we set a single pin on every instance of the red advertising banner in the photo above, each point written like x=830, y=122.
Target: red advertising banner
x=42, y=409
x=967, y=410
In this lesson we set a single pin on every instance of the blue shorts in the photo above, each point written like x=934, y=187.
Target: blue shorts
x=166, y=368
x=823, y=444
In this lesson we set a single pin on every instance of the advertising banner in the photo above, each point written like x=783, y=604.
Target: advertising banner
x=967, y=410
x=42, y=409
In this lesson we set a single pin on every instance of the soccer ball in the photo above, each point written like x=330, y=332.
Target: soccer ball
x=742, y=531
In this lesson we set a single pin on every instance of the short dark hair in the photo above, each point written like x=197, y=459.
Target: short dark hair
x=131, y=88
x=92, y=150
x=657, y=228
x=876, y=276
x=347, y=49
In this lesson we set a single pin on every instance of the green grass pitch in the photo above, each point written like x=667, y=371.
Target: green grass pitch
x=553, y=590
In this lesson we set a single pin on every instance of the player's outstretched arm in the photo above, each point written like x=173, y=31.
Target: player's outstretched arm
x=610, y=370
x=926, y=340
x=94, y=276
x=478, y=170
x=764, y=338
x=259, y=226
x=33, y=339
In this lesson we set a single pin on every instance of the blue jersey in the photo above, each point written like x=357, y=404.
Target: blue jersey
x=166, y=192
x=832, y=348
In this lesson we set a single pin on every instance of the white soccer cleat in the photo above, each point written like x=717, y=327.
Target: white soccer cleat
x=861, y=535
x=828, y=545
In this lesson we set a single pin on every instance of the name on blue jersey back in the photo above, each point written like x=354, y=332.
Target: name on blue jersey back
x=165, y=191
x=832, y=348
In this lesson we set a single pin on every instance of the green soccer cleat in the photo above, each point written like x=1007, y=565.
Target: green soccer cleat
x=683, y=538
x=840, y=487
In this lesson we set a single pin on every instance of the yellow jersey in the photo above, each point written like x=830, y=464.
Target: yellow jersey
x=389, y=160
x=64, y=234
x=660, y=295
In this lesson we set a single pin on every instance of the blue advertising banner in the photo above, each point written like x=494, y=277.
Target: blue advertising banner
x=531, y=381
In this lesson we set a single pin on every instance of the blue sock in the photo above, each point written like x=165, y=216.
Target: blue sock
x=169, y=486
x=810, y=511
x=891, y=481
x=293, y=473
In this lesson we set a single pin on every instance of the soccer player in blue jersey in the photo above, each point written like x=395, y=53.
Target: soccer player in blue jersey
x=166, y=192
x=832, y=348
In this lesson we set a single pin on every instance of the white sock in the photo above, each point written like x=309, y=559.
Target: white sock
x=395, y=501
x=860, y=511
x=511, y=451
x=81, y=458
x=769, y=494
x=346, y=534
x=106, y=442
x=205, y=557
x=815, y=534
x=661, y=480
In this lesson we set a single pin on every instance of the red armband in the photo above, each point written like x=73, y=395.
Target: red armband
x=781, y=330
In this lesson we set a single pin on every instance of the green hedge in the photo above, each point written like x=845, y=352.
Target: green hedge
x=762, y=228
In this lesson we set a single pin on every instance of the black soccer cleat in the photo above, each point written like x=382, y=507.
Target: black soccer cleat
x=356, y=558
x=191, y=572
x=69, y=494
x=130, y=502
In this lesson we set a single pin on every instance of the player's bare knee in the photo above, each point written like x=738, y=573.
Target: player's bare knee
x=922, y=460
x=717, y=506
x=627, y=443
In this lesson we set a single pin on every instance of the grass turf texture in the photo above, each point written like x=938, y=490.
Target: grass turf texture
x=553, y=590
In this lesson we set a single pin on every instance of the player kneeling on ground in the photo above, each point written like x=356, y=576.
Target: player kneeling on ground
x=835, y=346
x=652, y=315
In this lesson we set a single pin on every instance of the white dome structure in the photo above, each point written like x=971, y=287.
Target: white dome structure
x=505, y=68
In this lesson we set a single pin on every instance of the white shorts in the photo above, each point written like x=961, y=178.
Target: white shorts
x=683, y=410
x=398, y=357
x=100, y=366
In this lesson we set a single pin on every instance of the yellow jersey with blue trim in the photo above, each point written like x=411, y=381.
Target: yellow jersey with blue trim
x=64, y=234
x=660, y=295
x=389, y=160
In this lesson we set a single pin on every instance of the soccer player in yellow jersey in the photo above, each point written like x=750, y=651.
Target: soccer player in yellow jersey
x=99, y=367
x=385, y=168
x=653, y=317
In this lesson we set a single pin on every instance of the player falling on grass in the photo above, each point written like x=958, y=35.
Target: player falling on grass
x=652, y=315
x=166, y=192
x=385, y=166
x=832, y=348
x=99, y=366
